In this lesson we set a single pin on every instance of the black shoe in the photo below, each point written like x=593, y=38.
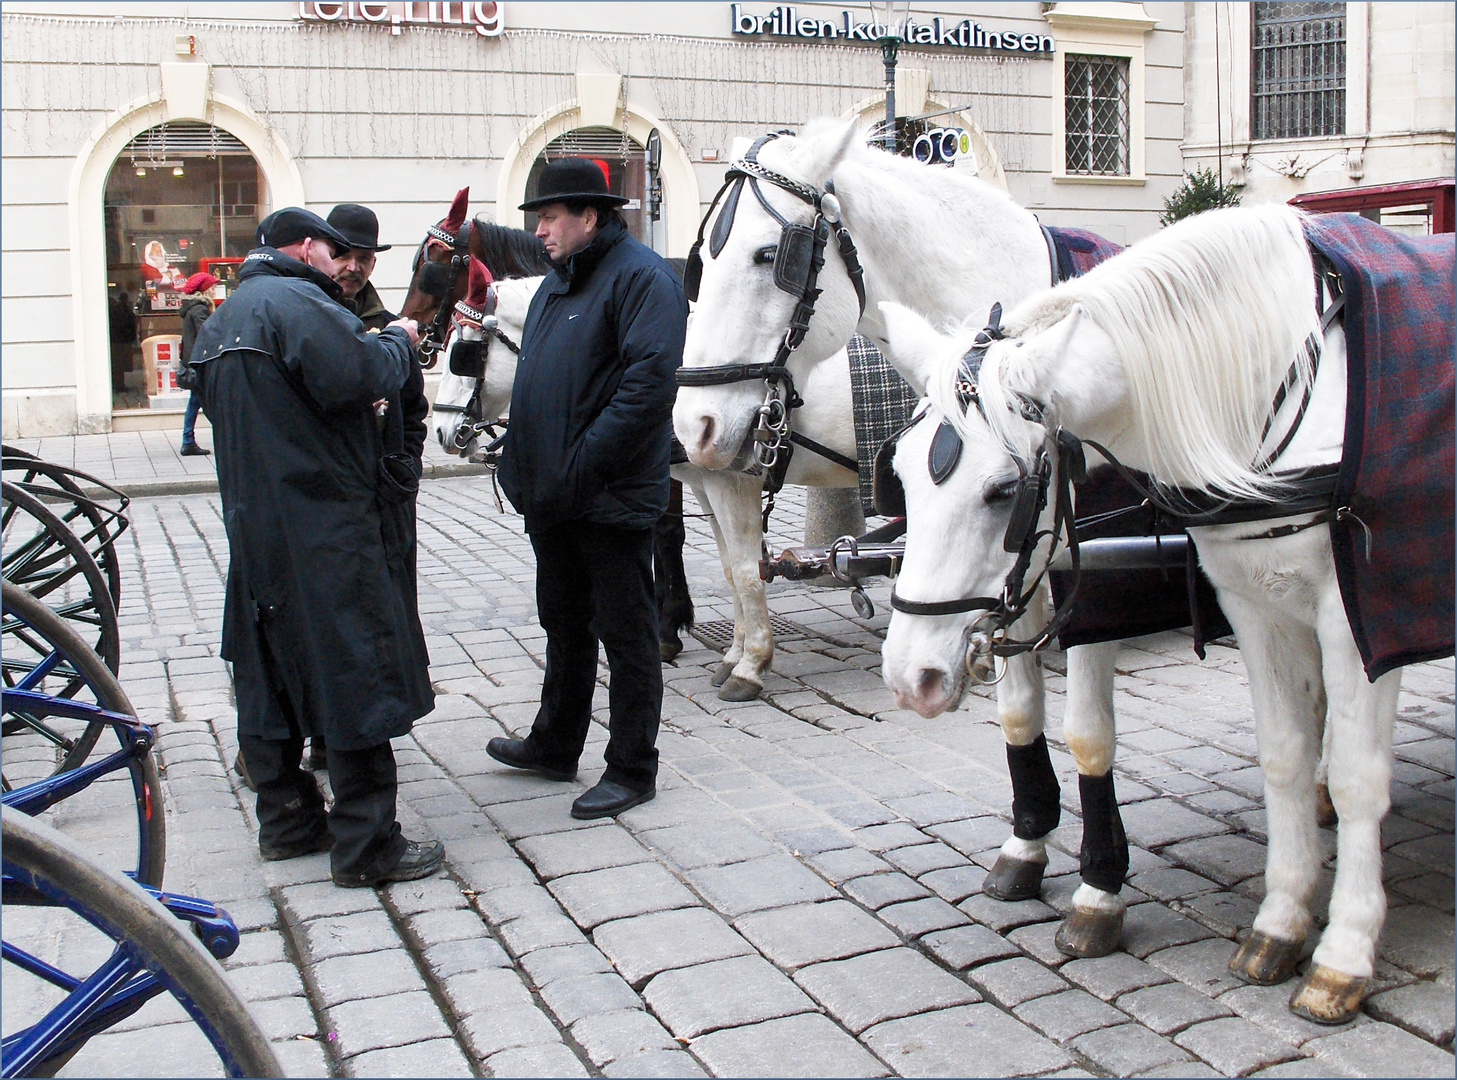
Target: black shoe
x=278, y=852
x=191, y=449
x=421, y=859
x=241, y=768
x=608, y=799
x=520, y=754
x=318, y=755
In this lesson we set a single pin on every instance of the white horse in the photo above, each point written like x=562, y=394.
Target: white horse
x=1171, y=355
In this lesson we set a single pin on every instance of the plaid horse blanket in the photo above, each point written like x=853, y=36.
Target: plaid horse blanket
x=1078, y=251
x=884, y=403
x=1394, y=548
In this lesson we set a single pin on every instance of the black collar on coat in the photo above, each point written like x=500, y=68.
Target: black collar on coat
x=580, y=266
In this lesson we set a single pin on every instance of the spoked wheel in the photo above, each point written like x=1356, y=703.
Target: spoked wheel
x=48, y=734
x=153, y=951
x=43, y=556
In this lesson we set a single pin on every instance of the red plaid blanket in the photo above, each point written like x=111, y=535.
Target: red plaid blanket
x=1397, y=466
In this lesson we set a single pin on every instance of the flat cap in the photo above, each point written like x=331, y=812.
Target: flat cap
x=292, y=224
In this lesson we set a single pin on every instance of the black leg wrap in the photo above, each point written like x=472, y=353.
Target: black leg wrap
x=1105, y=847
x=1036, y=809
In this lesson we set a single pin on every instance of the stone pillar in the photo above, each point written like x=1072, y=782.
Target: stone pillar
x=831, y=513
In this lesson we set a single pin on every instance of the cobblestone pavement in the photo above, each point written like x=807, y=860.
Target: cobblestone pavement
x=802, y=898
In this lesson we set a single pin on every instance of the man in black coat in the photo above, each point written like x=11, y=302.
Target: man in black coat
x=319, y=620
x=586, y=463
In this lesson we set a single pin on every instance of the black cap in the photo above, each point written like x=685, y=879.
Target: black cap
x=292, y=224
x=358, y=225
x=572, y=180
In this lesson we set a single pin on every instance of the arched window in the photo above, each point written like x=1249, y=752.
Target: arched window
x=622, y=160
x=181, y=197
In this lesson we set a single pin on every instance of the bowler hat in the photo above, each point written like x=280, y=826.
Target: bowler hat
x=572, y=180
x=292, y=224
x=359, y=226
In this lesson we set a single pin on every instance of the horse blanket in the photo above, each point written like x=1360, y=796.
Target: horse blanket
x=1393, y=542
x=1077, y=250
x=884, y=403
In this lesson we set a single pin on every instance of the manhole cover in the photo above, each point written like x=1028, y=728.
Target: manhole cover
x=720, y=635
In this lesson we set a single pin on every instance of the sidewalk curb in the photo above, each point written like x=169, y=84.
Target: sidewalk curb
x=147, y=489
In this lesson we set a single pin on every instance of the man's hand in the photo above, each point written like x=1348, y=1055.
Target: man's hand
x=411, y=329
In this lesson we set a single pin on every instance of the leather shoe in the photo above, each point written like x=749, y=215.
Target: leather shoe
x=608, y=799
x=421, y=859
x=520, y=754
x=193, y=450
x=278, y=852
x=241, y=768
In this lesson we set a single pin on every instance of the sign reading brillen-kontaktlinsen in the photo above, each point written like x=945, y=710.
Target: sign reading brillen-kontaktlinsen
x=786, y=21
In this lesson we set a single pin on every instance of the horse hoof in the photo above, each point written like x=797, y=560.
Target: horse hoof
x=669, y=648
x=1265, y=961
x=1325, y=810
x=1014, y=879
x=1086, y=934
x=1328, y=996
x=722, y=675
x=737, y=689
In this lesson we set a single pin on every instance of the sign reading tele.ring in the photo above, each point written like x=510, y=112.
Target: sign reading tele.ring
x=785, y=21
x=484, y=18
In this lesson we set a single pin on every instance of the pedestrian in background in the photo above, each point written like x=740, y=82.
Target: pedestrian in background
x=585, y=461
x=195, y=310
x=316, y=622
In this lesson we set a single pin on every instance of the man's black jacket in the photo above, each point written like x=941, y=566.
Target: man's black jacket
x=591, y=408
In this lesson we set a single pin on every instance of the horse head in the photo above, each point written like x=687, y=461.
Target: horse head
x=438, y=277
x=759, y=263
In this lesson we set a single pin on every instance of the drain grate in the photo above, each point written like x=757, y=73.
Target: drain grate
x=720, y=634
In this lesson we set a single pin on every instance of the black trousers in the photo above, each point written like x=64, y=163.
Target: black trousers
x=595, y=583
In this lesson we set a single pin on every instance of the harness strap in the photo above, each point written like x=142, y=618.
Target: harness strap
x=842, y=460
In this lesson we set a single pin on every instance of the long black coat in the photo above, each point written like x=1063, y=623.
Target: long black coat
x=592, y=405
x=288, y=379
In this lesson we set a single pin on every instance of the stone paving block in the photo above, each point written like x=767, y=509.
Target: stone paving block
x=533, y=932
x=725, y=993
x=1203, y=965
x=1229, y=914
x=1184, y=1070
x=323, y=898
x=1039, y=941
x=428, y=894
x=971, y=1040
x=1225, y=859
x=1171, y=883
x=376, y=1023
x=490, y=988
x=1235, y=1046
x=655, y=1063
x=546, y=966
x=450, y=925
x=434, y=1057
x=1011, y=982
x=1158, y=822
x=809, y=1045
x=1372, y=1049
x=490, y=1031
x=875, y=891
x=453, y=957
x=258, y=947
x=1002, y=916
x=1171, y=1007
x=360, y=975
x=815, y=841
x=917, y=917
x=1418, y=941
x=532, y=817
x=1109, y=977
x=1305, y=1066
x=572, y=998
x=1069, y=1014
x=934, y=808
x=922, y=858
x=967, y=946
x=1423, y=1008
x=1149, y=928
x=620, y=892
x=547, y=1060
x=607, y=1036
x=558, y=854
x=1128, y=1049
x=267, y=981
x=955, y=883
x=884, y=838
x=869, y=989
x=777, y=881
x=1268, y=1007
x=709, y=843
x=516, y=901
x=284, y=1018
x=810, y=933
x=973, y=835
x=641, y=947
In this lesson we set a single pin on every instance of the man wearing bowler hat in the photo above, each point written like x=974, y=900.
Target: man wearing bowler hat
x=360, y=227
x=585, y=461
x=317, y=622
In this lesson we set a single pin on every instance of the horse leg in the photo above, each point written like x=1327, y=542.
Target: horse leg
x=1036, y=805
x=1360, y=719
x=736, y=647
x=739, y=529
x=670, y=580
x=1282, y=660
x=1095, y=923
x=1325, y=810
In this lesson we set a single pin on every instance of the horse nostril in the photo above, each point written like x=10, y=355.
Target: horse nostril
x=706, y=434
x=931, y=683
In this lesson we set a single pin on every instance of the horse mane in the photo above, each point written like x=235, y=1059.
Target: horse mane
x=511, y=253
x=1206, y=318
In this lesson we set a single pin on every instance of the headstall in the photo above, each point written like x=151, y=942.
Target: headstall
x=436, y=279
x=468, y=361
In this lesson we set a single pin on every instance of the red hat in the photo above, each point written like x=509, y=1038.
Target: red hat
x=199, y=282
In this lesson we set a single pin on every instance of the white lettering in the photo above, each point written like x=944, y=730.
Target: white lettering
x=785, y=21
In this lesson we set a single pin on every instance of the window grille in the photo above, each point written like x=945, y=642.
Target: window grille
x=1096, y=96
x=593, y=142
x=1298, y=82
x=183, y=139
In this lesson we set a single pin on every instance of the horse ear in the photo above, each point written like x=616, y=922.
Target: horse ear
x=480, y=283
x=816, y=157
x=914, y=347
x=456, y=218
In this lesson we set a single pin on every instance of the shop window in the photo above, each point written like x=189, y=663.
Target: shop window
x=1298, y=70
x=1096, y=95
x=622, y=160
x=180, y=198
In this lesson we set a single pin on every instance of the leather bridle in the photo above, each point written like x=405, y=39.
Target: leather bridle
x=439, y=281
x=468, y=360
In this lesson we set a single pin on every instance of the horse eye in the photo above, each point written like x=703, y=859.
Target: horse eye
x=1000, y=492
x=765, y=255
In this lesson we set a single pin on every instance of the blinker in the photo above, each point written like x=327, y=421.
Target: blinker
x=693, y=272
x=944, y=454
x=793, y=259
x=1025, y=505
x=435, y=279
x=468, y=359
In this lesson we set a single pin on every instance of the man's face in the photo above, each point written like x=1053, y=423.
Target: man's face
x=320, y=255
x=354, y=268
x=563, y=232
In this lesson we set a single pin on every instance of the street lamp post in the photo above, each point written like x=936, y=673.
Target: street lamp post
x=890, y=16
